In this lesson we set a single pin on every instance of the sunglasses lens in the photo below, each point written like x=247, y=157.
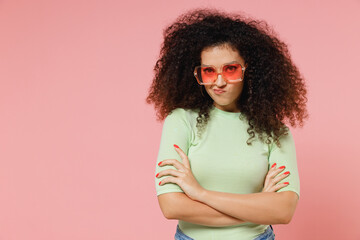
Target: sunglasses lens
x=232, y=71
x=206, y=74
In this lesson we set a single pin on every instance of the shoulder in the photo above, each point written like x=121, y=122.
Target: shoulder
x=177, y=112
x=184, y=115
x=286, y=141
x=287, y=138
x=182, y=112
x=180, y=122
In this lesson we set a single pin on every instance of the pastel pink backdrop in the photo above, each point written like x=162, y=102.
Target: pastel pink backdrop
x=78, y=143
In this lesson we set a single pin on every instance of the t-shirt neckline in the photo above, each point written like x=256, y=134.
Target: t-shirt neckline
x=225, y=113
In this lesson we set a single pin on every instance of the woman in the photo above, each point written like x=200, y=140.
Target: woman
x=226, y=86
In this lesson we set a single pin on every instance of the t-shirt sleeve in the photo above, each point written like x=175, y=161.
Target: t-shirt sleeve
x=176, y=130
x=286, y=156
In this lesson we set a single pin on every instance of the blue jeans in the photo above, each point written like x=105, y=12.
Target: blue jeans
x=267, y=235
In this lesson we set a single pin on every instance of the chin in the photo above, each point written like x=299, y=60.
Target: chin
x=223, y=103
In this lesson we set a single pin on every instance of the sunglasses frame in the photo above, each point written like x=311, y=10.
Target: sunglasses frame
x=222, y=66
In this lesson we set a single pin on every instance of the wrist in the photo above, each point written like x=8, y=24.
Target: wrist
x=202, y=195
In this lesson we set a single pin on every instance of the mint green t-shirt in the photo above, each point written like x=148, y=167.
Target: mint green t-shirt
x=222, y=161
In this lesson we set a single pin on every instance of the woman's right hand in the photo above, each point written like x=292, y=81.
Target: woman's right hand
x=273, y=177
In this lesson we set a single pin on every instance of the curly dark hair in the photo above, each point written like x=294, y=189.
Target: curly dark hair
x=274, y=92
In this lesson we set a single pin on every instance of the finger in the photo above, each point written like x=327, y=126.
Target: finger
x=280, y=186
x=273, y=166
x=177, y=164
x=277, y=179
x=183, y=156
x=169, y=172
x=274, y=188
x=271, y=181
x=275, y=171
x=271, y=173
x=169, y=180
x=279, y=170
x=281, y=176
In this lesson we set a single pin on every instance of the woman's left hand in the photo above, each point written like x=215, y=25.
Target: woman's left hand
x=183, y=176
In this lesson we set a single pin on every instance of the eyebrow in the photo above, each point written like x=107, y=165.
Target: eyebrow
x=222, y=64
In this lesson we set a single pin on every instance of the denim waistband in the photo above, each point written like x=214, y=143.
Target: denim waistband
x=267, y=235
x=179, y=235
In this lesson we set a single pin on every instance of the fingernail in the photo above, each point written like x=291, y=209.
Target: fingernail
x=286, y=172
x=273, y=165
x=159, y=182
x=176, y=146
x=157, y=175
x=286, y=182
x=159, y=163
x=282, y=167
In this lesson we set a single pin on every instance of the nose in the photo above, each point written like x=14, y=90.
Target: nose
x=220, y=81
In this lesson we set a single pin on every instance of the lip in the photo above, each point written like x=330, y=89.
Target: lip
x=218, y=91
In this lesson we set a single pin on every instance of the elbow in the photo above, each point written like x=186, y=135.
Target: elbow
x=167, y=214
x=287, y=216
x=290, y=206
x=286, y=219
x=169, y=204
x=280, y=218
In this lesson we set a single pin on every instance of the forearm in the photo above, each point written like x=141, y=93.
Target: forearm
x=261, y=208
x=180, y=206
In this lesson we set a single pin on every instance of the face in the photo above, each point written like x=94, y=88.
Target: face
x=224, y=94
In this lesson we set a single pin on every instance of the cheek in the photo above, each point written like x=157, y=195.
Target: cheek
x=237, y=90
x=240, y=89
x=207, y=88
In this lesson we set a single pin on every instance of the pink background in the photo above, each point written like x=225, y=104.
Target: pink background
x=78, y=143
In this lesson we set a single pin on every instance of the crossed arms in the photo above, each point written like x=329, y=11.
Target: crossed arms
x=212, y=208
x=226, y=209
